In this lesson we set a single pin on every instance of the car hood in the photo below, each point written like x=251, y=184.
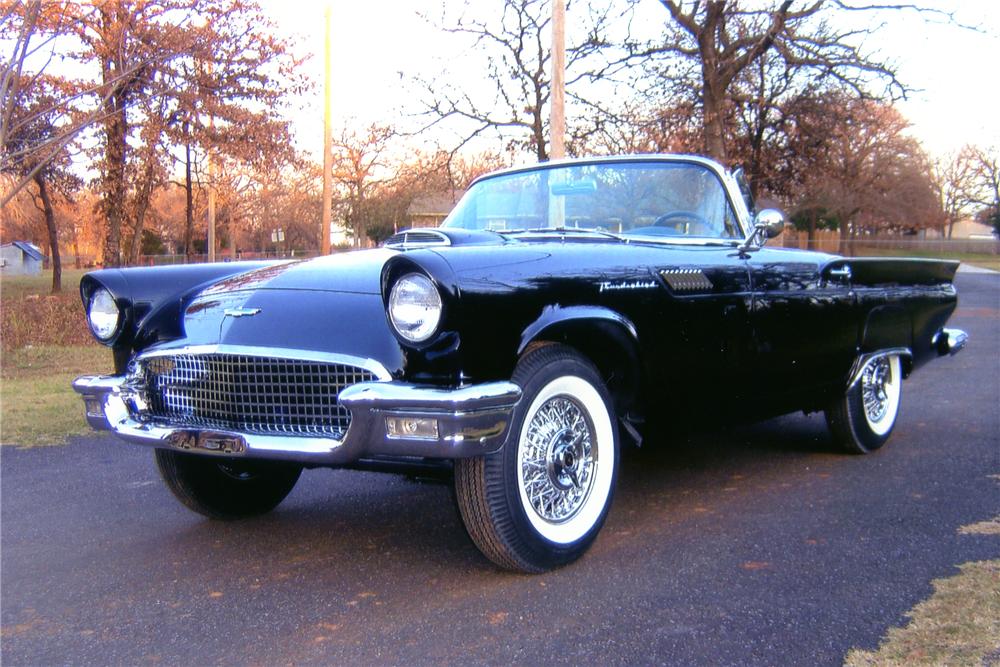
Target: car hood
x=331, y=304
x=356, y=272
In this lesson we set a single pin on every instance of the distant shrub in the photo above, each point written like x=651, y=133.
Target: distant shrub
x=43, y=320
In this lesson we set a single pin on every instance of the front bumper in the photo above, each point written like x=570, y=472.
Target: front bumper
x=471, y=421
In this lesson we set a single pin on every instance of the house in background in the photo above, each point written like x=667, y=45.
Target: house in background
x=21, y=258
x=970, y=229
x=430, y=210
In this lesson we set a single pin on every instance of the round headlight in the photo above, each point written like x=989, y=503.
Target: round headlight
x=103, y=314
x=414, y=307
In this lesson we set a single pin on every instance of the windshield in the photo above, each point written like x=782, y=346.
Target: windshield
x=656, y=199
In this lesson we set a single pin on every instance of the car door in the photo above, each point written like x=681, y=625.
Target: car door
x=804, y=319
x=702, y=336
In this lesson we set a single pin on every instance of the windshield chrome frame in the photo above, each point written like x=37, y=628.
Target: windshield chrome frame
x=729, y=186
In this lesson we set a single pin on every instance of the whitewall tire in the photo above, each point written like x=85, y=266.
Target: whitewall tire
x=540, y=502
x=863, y=419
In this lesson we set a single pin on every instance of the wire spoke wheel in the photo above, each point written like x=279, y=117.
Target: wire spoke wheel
x=540, y=502
x=863, y=418
x=876, y=383
x=557, y=459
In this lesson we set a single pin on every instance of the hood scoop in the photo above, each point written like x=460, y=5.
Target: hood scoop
x=416, y=238
x=437, y=237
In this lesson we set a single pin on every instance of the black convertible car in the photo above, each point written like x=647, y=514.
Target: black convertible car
x=557, y=310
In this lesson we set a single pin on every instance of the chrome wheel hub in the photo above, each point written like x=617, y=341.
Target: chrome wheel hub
x=557, y=459
x=873, y=389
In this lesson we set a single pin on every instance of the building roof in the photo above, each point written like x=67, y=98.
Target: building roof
x=29, y=249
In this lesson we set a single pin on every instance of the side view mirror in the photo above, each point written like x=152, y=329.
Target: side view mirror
x=769, y=223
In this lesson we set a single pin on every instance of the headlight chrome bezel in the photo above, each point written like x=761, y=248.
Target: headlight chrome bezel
x=109, y=323
x=417, y=292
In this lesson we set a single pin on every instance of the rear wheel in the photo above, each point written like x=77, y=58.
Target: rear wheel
x=226, y=488
x=540, y=502
x=862, y=420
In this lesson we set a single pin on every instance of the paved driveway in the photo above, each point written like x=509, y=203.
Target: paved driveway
x=750, y=546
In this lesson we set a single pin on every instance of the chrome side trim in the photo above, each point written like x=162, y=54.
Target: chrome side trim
x=949, y=341
x=844, y=272
x=864, y=360
x=374, y=367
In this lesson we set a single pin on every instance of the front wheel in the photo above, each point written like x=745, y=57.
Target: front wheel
x=539, y=502
x=226, y=488
x=862, y=420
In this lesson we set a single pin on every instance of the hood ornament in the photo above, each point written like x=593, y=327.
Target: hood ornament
x=241, y=312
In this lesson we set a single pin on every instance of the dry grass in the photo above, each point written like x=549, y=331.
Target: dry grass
x=30, y=315
x=988, y=527
x=46, y=344
x=958, y=625
x=37, y=404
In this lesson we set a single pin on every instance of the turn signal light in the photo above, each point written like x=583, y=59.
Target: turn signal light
x=411, y=427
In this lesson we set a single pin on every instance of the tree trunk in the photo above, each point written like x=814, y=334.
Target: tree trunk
x=232, y=237
x=50, y=224
x=538, y=129
x=141, y=206
x=713, y=108
x=189, y=199
x=115, y=132
x=843, y=246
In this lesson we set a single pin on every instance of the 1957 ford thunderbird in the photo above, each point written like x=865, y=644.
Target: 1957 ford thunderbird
x=556, y=310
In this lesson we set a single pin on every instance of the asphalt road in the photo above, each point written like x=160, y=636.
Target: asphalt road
x=750, y=546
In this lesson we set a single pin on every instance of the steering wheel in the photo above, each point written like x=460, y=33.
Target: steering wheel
x=690, y=223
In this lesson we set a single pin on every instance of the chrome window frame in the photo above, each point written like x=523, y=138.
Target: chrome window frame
x=729, y=186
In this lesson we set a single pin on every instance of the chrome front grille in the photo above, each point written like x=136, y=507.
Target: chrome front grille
x=249, y=394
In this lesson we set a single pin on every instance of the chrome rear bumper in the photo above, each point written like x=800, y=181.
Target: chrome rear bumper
x=470, y=421
x=949, y=341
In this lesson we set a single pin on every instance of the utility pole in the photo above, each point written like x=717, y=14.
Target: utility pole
x=327, y=139
x=211, y=207
x=211, y=189
x=557, y=118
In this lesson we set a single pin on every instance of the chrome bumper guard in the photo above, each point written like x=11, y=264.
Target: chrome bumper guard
x=949, y=341
x=469, y=421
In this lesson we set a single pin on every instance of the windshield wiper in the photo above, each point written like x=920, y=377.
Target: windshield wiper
x=566, y=230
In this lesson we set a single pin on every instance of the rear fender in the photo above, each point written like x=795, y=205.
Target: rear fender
x=888, y=327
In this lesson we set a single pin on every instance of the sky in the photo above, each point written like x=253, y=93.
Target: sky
x=957, y=100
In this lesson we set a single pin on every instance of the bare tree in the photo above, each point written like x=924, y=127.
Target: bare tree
x=986, y=185
x=854, y=161
x=211, y=67
x=514, y=52
x=954, y=180
x=720, y=41
x=33, y=125
x=361, y=165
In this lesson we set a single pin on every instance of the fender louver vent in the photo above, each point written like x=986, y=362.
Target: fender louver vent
x=416, y=238
x=686, y=280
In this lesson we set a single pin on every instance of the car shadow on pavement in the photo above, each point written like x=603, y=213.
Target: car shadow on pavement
x=351, y=521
